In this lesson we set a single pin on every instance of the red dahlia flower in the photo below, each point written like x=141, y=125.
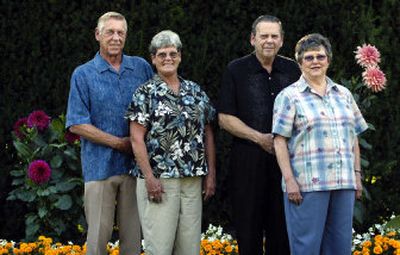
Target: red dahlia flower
x=39, y=171
x=17, y=127
x=71, y=137
x=38, y=119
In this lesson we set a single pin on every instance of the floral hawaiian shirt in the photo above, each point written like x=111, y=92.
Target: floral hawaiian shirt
x=175, y=127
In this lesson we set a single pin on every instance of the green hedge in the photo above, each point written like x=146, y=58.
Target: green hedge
x=43, y=41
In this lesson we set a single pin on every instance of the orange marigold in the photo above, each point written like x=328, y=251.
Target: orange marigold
x=378, y=249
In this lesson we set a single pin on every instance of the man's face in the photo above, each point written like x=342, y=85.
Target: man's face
x=268, y=39
x=111, y=38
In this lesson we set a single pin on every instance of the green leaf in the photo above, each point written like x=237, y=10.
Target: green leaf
x=43, y=192
x=31, y=219
x=58, y=145
x=26, y=196
x=17, y=173
x=32, y=230
x=19, y=181
x=371, y=127
x=57, y=125
x=71, y=153
x=365, y=144
x=64, y=202
x=364, y=163
x=66, y=186
x=42, y=212
x=56, y=161
x=394, y=223
x=23, y=150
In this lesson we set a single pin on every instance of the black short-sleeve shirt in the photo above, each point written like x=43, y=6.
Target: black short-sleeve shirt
x=248, y=91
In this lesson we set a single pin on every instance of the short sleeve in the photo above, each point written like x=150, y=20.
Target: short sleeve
x=283, y=116
x=78, y=109
x=359, y=121
x=209, y=109
x=227, y=94
x=138, y=109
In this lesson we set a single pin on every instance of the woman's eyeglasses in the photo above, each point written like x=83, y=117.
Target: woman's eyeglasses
x=311, y=58
x=163, y=55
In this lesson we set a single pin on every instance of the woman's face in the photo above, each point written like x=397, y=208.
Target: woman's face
x=167, y=60
x=315, y=63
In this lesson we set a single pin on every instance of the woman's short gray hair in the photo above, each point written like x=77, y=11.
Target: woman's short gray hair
x=164, y=39
x=312, y=42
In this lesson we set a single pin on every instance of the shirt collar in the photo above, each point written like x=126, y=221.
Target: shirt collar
x=276, y=65
x=302, y=85
x=102, y=65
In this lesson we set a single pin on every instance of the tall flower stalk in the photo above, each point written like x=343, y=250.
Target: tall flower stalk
x=364, y=88
x=47, y=176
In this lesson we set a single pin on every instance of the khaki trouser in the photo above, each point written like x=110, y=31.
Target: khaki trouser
x=100, y=199
x=174, y=225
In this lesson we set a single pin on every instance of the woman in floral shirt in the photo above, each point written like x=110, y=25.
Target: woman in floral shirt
x=173, y=144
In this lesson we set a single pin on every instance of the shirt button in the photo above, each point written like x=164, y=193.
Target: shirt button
x=269, y=78
x=272, y=94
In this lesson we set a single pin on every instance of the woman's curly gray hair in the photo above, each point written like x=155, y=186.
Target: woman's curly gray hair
x=165, y=38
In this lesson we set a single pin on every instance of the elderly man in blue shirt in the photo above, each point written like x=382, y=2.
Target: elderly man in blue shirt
x=100, y=92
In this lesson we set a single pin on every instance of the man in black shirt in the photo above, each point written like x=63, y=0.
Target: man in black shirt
x=249, y=87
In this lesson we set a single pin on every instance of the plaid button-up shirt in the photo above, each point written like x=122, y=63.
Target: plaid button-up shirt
x=321, y=132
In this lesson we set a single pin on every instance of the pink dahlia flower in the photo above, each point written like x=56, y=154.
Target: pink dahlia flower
x=367, y=55
x=39, y=171
x=38, y=119
x=71, y=137
x=17, y=127
x=374, y=78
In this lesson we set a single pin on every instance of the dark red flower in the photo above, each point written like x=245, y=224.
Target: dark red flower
x=17, y=127
x=38, y=119
x=39, y=171
x=71, y=137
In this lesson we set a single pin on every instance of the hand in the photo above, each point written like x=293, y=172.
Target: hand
x=209, y=186
x=154, y=189
x=124, y=145
x=266, y=141
x=359, y=187
x=293, y=192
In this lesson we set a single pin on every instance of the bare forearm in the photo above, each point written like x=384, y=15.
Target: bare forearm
x=238, y=128
x=282, y=156
x=357, y=155
x=210, y=150
x=142, y=157
x=139, y=148
x=96, y=135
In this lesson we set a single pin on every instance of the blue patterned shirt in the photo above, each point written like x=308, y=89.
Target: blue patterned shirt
x=175, y=125
x=99, y=95
x=321, y=132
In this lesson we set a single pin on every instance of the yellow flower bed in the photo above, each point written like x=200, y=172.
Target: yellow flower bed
x=380, y=244
x=45, y=246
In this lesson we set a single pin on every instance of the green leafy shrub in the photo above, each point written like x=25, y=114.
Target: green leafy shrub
x=48, y=176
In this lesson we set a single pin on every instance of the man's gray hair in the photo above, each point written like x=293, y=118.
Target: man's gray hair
x=110, y=15
x=266, y=18
x=164, y=39
x=312, y=42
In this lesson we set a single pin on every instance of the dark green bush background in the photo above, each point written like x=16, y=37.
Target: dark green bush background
x=41, y=42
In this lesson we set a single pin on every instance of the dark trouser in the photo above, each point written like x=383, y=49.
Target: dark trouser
x=257, y=201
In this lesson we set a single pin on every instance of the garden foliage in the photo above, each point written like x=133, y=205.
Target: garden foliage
x=47, y=176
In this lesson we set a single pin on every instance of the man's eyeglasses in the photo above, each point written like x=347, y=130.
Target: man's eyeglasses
x=311, y=58
x=111, y=32
x=163, y=55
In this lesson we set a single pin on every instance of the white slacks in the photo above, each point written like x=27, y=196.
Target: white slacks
x=174, y=225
